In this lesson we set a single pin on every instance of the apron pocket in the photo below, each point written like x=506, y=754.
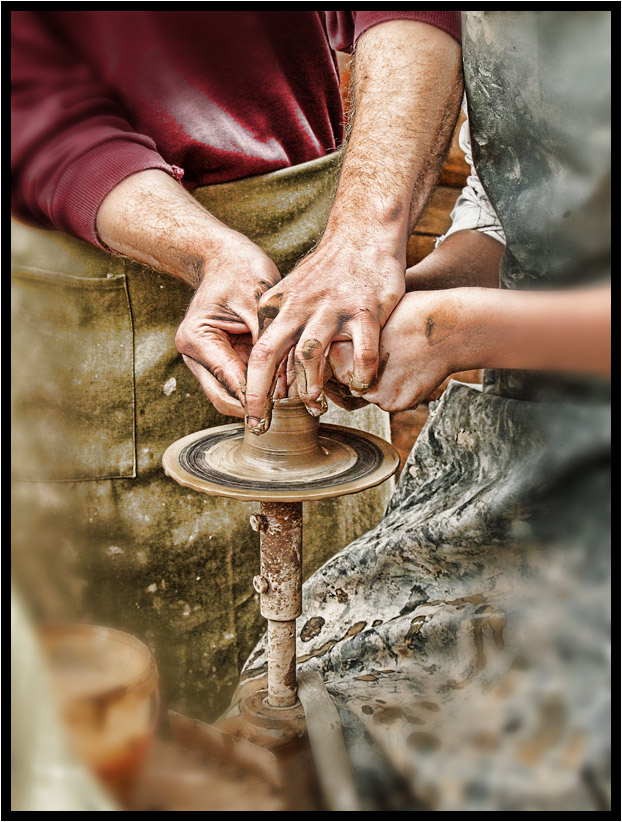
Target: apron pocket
x=73, y=391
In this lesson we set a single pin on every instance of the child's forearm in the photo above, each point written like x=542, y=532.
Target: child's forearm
x=567, y=331
x=467, y=258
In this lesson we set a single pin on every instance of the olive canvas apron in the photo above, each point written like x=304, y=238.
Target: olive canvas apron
x=465, y=639
x=99, y=391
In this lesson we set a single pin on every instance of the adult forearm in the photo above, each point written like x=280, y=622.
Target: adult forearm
x=407, y=90
x=151, y=218
x=564, y=331
x=407, y=86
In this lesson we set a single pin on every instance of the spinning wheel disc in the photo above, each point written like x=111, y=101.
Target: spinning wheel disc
x=296, y=460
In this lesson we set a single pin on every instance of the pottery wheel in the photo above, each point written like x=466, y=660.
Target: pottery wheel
x=296, y=460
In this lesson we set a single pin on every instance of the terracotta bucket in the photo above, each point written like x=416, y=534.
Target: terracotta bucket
x=106, y=682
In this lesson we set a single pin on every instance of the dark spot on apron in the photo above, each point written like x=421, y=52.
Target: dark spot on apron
x=311, y=628
x=320, y=651
x=355, y=629
x=414, y=640
x=423, y=742
x=388, y=714
x=427, y=706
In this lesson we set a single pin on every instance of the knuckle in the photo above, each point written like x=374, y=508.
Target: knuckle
x=308, y=349
x=218, y=373
x=262, y=353
x=310, y=394
x=392, y=298
x=364, y=316
x=273, y=297
x=264, y=300
x=182, y=342
x=366, y=357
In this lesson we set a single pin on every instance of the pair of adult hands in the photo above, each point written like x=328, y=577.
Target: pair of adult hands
x=251, y=337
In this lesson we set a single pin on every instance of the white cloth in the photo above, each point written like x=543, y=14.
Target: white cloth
x=473, y=209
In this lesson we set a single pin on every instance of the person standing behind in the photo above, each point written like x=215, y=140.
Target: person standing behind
x=110, y=111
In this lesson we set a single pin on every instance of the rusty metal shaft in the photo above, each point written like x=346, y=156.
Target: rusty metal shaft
x=280, y=586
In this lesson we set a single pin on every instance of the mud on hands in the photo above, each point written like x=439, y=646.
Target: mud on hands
x=336, y=293
x=217, y=333
x=422, y=343
x=407, y=84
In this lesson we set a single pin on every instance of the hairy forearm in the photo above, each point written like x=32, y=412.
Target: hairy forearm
x=407, y=85
x=564, y=331
x=466, y=258
x=151, y=218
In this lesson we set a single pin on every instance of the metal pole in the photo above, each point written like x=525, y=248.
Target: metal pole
x=280, y=586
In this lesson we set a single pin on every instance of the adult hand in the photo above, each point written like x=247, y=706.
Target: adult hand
x=421, y=344
x=217, y=334
x=151, y=218
x=337, y=292
x=337, y=391
x=407, y=86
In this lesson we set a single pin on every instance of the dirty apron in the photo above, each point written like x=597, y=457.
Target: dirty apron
x=99, y=391
x=465, y=639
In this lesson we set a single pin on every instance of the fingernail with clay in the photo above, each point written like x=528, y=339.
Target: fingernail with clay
x=261, y=428
x=358, y=386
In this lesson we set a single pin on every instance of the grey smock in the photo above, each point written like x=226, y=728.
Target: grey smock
x=465, y=640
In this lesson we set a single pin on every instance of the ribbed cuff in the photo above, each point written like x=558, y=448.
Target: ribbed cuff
x=447, y=21
x=84, y=185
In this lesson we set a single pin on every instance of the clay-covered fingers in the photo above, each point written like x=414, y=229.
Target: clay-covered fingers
x=292, y=387
x=211, y=348
x=364, y=331
x=220, y=399
x=285, y=329
x=280, y=391
x=341, y=396
x=309, y=363
x=337, y=376
x=340, y=361
x=263, y=371
x=334, y=293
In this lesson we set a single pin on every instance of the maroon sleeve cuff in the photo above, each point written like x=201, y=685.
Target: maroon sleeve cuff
x=86, y=182
x=448, y=21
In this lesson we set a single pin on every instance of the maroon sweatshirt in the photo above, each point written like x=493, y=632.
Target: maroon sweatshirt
x=210, y=96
